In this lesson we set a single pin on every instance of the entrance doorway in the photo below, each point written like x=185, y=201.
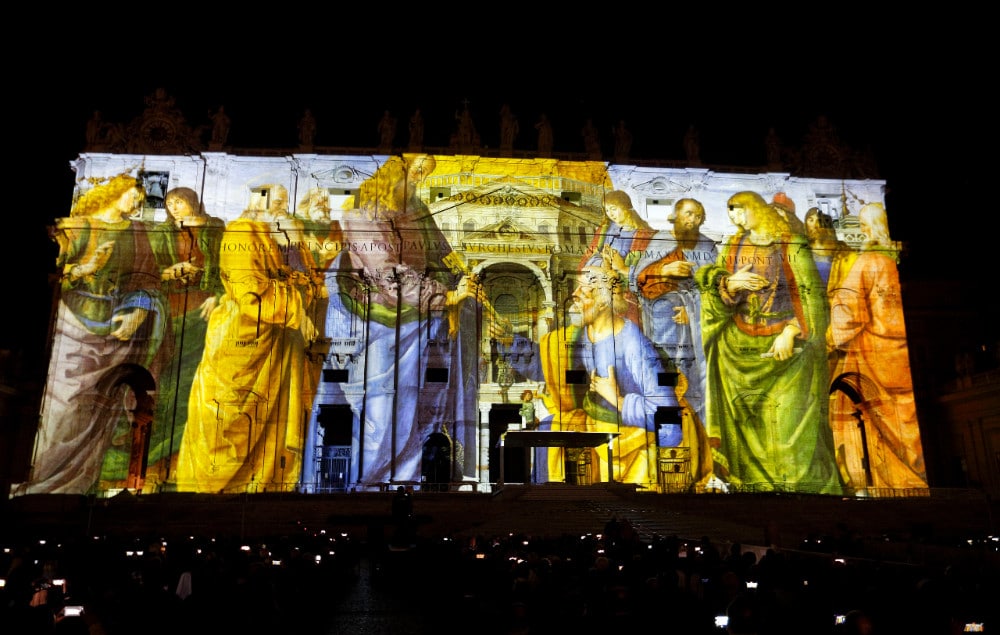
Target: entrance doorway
x=435, y=469
x=516, y=464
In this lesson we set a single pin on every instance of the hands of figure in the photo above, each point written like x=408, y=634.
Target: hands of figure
x=94, y=262
x=678, y=269
x=681, y=315
x=784, y=345
x=182, y=271
x=613, y=260
x=208, y=306
x=128, y=323
x=606, y=387
x=744, y=280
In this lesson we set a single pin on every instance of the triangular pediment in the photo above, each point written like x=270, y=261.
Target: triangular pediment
x=505, y=230
x=506, y=191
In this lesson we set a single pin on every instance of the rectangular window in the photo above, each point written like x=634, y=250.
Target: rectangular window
x=155, y=185
x=337, y=421
x=667, y=415
x=666, y=379
x=576, y=377
x=335, y=375
x=436, y=376
x=658, y=210
x=341, y=199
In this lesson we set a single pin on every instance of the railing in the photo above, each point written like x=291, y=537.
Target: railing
x=975, y=380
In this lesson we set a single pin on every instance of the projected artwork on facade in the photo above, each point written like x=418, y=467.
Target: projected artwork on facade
x=329, y=323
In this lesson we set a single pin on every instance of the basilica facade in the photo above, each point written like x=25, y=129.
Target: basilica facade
x=322, y=322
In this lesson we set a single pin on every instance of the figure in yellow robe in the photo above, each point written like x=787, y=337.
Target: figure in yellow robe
x=245, y=417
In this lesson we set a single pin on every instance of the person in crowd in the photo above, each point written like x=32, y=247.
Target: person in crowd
x=867, y=328
x=111, y=316
x=402, y=517
x=245, y=416
x=744, y=615
x=764, y=318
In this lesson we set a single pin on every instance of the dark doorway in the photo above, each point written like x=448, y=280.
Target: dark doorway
x=334, y=468
x=338, y=422
x=436, y=465
x=131, y=392
x=516, y=464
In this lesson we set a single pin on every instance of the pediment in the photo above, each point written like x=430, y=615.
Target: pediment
x=508, y=192
x=345, y=173
x=505, y=230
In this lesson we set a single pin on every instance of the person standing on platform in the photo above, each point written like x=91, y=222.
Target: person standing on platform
x=527, y=410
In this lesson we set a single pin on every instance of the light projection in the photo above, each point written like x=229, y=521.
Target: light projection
x=764, y=318
x=342, y=323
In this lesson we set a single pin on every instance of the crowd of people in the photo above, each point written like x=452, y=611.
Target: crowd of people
x=613, y=579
